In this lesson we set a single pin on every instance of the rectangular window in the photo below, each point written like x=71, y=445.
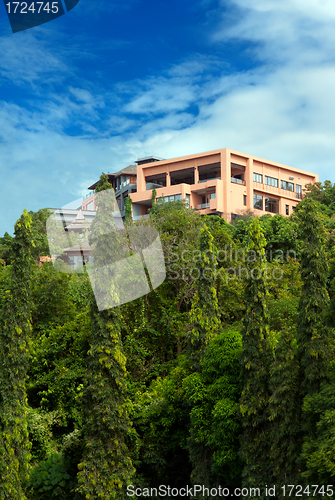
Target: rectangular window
x=258, y=201
x=171, y=198
x=298, y=190
x=271, y=181
x=187, y=201
x=289, y=186
x=258, y=178
x=271, y=205
x=212, y=196
x=244, y=199
x=287, y=209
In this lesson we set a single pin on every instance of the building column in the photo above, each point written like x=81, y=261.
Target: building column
x=140, y=180
x=249, y=176
x=225, y=176
x=196, y=175
x=168, y=179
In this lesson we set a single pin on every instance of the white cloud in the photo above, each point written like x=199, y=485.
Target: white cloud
x=163, y=97
x=283, y=109
x=27, y=58
x=289, y=30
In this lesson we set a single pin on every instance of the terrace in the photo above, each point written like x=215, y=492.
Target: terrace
x=237, y=174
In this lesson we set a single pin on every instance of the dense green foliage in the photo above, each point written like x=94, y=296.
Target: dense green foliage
x=256, y=357
x=127, y=214
x=105, y=465
x=224, y=375
x=6, y=248
x=15, y=325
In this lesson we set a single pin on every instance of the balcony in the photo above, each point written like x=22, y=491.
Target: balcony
x=203, y=205
x=157, y=180
x=267, y=188
x=237, y=174
x=203, y=185
x=139, y=217
x=237, y=181
x=184, y=176
x=88, y=195
x=152, y=185
x=209, y=172
x=128, y=181
x=209, y=179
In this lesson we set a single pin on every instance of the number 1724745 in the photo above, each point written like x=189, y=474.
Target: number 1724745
x=34, y=7
x=314, y=490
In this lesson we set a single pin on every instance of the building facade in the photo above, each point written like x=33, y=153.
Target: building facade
x=123, y=182
x=221, y=182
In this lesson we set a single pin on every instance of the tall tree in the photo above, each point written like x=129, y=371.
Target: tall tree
x=15, y=326
x=39, y=233
x=204, y=310
x=205, y=325
x=213, y=396
x=128, y=210
x=105, y=466
x=313, y=332
x=256, y=358
x=6, y=247
x=284, y=411
x=318, y=449
x=153, y=196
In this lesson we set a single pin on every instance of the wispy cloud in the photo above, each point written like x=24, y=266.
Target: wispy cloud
x=282, y=108
x=26, y=60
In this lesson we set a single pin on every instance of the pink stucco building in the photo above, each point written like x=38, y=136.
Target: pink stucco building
x=222, y=182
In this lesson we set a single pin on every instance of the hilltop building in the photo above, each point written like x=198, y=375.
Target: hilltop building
x=221, y=182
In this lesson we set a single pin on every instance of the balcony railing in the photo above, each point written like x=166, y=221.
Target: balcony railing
x=128, y=181
x=203, y=205
x=88, y=195
x=209, y=179
x=237, y=181
x=277, y=190
x=139, y=217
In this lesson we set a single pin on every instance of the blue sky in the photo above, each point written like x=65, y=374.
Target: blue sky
x=110, y=82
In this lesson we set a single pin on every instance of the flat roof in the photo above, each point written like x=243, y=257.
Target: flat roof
x=149, y=159
x=232, y=151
